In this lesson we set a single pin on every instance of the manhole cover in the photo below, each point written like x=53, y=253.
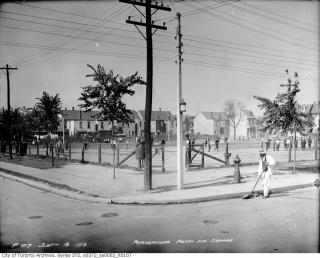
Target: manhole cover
x=210, y=222
x=84, y=224
x=224, y=232
x=35, y=217
x=110, y=214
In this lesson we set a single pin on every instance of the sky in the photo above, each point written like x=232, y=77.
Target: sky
x=231, y=50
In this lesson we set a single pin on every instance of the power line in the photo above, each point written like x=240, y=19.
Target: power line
x=81, y=51
x=279, y=15
x=89, y=39
x=113, y=15
x=229, y=68
x=140, y=57
x=245, y=61
x=252, y=51
x=246, y=55
x=250, y=28
x=275, y=19
x=240, y=44
x=57, y=11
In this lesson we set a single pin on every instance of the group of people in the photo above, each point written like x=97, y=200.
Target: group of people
x=287, y=143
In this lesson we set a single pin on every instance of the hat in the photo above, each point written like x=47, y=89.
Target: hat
x=262, y=151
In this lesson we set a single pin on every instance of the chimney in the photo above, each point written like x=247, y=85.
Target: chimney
x=72, y=108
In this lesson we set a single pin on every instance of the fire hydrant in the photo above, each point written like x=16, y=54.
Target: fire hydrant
x=237, y=177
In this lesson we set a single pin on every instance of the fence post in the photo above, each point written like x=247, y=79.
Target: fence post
x=227, y=154
x=117, y=154
x=316, y=149
x=82, y=153
x=30, y=148
x=99, y=152
x=187, y=159
x=237, y=177
x=37, y=149
x=202, y=158
x=162, y=151
x=289, y=152
x=52, y=157
x=69, y=150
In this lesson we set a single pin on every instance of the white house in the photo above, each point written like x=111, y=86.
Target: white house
x=211, y=123
x=247, y=127
x=79, y=122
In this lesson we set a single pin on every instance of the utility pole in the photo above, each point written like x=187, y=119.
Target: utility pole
x=7, y=68
x=150, y=9
x=180, y=165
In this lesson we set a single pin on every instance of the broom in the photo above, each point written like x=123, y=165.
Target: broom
x=249, y=195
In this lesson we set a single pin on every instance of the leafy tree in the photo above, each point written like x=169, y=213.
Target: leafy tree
x=46, y=113
x=283, y=112
x=234, y=110
x=106, y=96
x=47, y=110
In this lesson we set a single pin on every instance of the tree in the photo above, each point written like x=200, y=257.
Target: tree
x=106, y=96
x=283, y=113
x=234, y=110
x=46, y=113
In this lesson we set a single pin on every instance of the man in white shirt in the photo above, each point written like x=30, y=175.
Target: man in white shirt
x=266, y=168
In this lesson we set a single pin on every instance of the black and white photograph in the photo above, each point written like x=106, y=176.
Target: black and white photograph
x=159, y=127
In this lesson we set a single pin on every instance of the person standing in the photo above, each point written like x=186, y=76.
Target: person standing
x=140, y=154
x=217, y=144
x=266, y=168
x=309, y=142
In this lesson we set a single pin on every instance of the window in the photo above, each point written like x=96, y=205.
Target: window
x=102, y=125
x=221, y=130
x=89, y=124
x=80, y=124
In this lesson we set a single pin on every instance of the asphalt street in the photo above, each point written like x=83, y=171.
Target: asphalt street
x=33, y=220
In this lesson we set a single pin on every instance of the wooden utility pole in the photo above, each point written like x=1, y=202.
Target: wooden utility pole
x=180, y=165
x=149, y=24
x=7, y=68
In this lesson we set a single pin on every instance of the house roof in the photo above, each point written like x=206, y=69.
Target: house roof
x=158, y=115
x=306, y=108
x=77, y=115
x=215, y=115
x=249, y=114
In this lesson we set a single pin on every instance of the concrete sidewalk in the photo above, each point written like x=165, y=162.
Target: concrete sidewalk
x=94, y=183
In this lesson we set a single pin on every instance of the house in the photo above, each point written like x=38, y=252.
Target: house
x=163, y=124
x=188, y=125
x=314, y=110
x=79, y=123
x=211, y=123
x=247, y=127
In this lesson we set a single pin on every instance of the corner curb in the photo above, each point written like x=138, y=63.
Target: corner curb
x=53, y=190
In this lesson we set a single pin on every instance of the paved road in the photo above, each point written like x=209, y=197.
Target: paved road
x=287, y=222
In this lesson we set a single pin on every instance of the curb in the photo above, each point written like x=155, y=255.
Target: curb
x=42, y=186
x=121, y=200
x=126, y=200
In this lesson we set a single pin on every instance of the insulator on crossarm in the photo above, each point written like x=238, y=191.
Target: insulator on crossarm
x=162, y=4
x=129, y=17
x=175, y=37
x=164, y=24
x=182, y=60
x=175, y=61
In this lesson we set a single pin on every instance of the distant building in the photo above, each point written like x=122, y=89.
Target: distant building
x=188, y=125
x=314, y=110
x=247, y=127
x=163, y=124
x=212, y=123
x=79, y=123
